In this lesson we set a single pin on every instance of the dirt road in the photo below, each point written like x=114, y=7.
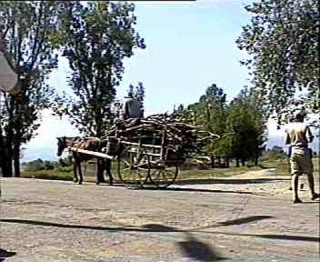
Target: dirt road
x=243, y=218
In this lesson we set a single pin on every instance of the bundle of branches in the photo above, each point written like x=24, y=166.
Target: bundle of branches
x=179, y=136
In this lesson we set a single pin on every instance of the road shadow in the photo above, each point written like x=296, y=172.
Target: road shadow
x=243, y=220
x=228, y=181
x=200, y=251
x=290, y=237
x=190, y=247
x=159, y=228
x=173, y=188
x=238, y=221
x=53, y=224
x=5, y=254
x=267, y=236
x=144, y=228
x=202, y=190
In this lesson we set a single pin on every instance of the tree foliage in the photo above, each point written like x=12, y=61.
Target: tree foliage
x=212, y=109
x=246, y=124
x=27, y=30
x=96, y=38
x=209, y=112
x=240, y=124
x=282, y=41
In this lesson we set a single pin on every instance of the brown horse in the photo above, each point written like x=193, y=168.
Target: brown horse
x=92, y=144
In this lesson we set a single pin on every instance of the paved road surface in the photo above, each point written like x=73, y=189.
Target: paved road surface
x=244, y=218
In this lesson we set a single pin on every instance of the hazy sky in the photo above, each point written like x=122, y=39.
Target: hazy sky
x=190, y=45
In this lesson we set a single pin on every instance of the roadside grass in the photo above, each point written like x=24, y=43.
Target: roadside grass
x=282, y=166
x=184, y=174
x=47, y=174
x=281, y=169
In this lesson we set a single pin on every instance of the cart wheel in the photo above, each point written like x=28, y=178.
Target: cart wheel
x=162, y=176
x=132, y=168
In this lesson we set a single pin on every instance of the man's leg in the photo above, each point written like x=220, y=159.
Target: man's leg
x=294, y=184
x=307, y=168
x=295, y=173
x=314, y=195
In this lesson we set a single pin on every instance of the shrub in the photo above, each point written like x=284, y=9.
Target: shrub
x=273, y=155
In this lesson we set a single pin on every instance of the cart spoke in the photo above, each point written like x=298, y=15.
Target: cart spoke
x=130, y=167
x=162, y=177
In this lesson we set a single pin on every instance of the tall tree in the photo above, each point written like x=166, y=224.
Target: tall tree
x=214, y=105
x=28, y=30
x=246, y=124
x=282, y=41
x=97, y=37
x=209, y=112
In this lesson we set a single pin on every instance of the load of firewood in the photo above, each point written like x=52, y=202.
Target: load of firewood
x=163, y=129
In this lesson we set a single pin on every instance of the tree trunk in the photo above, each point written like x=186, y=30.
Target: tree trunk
x=212, y=161
x=237, y=162
x=6, y=156
x=219, y=161
x=7, y=142
x=227, y=162
x=1, y=152
x=6, y=162
x=243, y=162
x=16, y=159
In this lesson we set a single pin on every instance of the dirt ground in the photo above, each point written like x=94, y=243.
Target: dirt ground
x=247, y=217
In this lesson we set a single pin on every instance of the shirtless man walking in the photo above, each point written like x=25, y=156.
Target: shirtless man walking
x=298, y=136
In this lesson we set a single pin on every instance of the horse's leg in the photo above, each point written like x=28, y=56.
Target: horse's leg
x=80, y=171
x=75, y=176
x=108, y=169
x=100, y=170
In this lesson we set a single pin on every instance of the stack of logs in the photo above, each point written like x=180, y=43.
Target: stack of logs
x=179, y=136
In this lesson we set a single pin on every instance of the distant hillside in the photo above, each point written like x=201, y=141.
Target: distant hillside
x=45, y=153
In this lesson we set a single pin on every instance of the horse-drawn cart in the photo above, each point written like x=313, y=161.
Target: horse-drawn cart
x=148, y=152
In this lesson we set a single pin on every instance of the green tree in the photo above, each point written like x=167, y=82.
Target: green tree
x=97, y=37
x=211, y=113
x=28, y=30
x=35, y=165
x=182, y=114
x=282, y=41
x=245, y=123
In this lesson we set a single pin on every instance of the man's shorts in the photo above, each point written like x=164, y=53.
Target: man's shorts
x=300, y=162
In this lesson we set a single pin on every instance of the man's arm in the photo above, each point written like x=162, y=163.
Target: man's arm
x=288, y=143
x=287, y=140
x=309, y=135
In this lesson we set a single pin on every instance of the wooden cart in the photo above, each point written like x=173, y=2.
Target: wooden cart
x=148, y=164
x=145, y=157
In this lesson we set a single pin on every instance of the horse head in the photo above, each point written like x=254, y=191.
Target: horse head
x=62, y=145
